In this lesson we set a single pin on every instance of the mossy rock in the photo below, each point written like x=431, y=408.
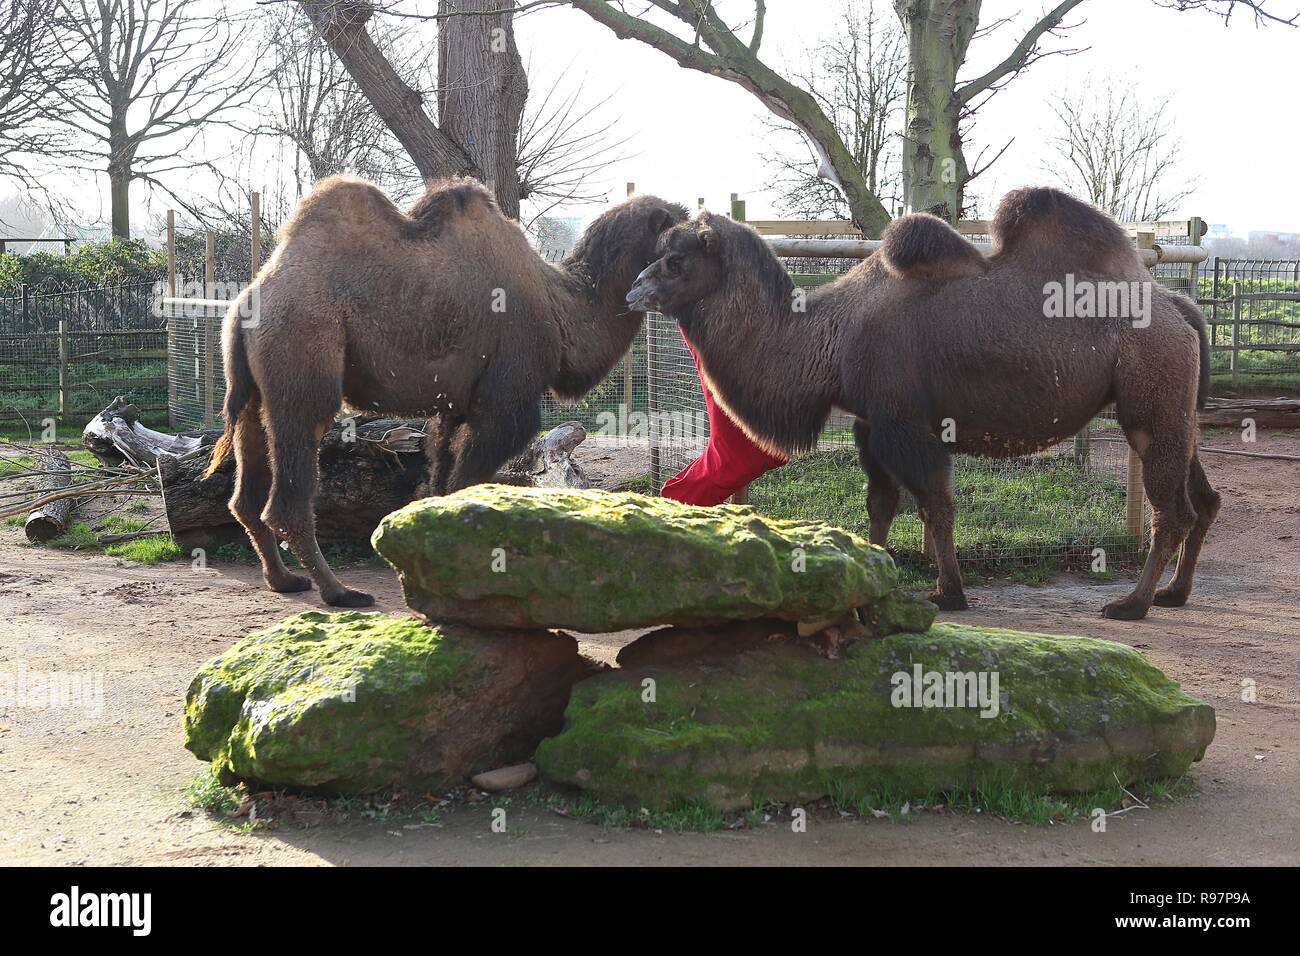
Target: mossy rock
x=505, y=556
x=756, y=715
x=355, y=702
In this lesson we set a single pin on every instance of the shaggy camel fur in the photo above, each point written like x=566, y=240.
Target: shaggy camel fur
x=938, y=350
x=445, y=311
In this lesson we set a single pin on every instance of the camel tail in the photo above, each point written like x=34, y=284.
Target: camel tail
x=240, y=390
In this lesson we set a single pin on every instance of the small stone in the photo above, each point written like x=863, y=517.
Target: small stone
x=506, y=778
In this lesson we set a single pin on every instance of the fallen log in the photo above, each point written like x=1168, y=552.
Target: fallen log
x=51, y=520
x=1266, y=413
x=368, y=468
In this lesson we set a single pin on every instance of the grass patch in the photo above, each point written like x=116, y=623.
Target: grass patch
x=206, y=792
x=1024, y=519
x=151, y=550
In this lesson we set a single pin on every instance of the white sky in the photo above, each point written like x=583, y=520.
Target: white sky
x=1232, y=92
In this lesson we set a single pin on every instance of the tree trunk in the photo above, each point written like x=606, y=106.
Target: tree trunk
x=934, y=167
x=481, y=92
x=119, y=179
x=342, y=25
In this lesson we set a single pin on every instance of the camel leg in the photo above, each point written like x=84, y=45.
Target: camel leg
x=939, y=513
x=911, y=456
x=438, y=434
x=1165, y=470
x=485, y=443
x=1206, y=502
x=882, y=489
x=252, y=489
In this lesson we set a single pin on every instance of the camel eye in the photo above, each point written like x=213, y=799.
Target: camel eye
x=674, y=265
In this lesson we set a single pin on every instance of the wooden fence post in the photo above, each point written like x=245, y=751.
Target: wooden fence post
x=1135, y=495
x=63, y=367
x=209, y=329
x=172, y=358
x=1195, y=229
x=626, y=417
x=652, y=401
x=255, y=229
x=1236, y=330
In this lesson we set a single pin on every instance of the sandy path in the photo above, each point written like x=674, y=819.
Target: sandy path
x=76, y=787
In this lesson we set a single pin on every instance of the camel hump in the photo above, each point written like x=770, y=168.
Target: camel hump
x=445, y=199
x=1045, y=223
x=922, y=246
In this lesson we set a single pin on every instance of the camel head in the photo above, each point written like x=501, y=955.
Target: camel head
x=622, y=240
x=702, y=258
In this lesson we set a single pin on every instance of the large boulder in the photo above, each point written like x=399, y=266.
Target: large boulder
x=501, y=556
x=739, y=715
x=355, y=702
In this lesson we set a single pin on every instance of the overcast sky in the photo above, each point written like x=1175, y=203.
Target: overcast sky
x=1232, y=92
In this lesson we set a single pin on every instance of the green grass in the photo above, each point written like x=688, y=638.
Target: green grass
x=208, y=793
x=1019, y=519
x=150, y=550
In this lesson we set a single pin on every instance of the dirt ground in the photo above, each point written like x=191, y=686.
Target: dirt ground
x=80, y=788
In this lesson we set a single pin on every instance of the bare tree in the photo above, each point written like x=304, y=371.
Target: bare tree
x=859, y=77
x=1117, y=148
x=563, y=142
x=324, y=115
x=150, y=78
x=26, y=88
x=1226, y=8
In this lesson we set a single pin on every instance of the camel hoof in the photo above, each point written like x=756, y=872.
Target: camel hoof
x=1168, y=597
x=948, y=602
x=350, y=598
x=290, y=585
x=1127, y=609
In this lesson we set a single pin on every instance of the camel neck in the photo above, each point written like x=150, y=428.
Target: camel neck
x=596, y=328
x=769, y=365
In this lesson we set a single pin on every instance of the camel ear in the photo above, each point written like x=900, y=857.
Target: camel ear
x=660, y=220
x=709, y=239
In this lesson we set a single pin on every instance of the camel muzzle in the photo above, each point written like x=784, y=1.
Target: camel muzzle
x=641, y=297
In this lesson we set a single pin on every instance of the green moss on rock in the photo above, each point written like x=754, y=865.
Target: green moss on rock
x=779, y=722
x=505, y=556
x=357, y=701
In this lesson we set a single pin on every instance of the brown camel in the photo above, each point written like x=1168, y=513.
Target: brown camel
x=445, y=312
x=938, y=350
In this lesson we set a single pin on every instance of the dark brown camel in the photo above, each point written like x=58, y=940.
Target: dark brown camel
x=445, y=311
x=938, y=350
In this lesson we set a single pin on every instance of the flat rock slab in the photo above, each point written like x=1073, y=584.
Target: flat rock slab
x=356, y=702
x=508, y=557
x=749, y=714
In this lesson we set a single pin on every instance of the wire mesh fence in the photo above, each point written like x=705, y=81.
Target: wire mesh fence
x=1253, y=307
x=65, y=352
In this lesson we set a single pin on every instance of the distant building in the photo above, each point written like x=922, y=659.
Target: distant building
x=1260, y=235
